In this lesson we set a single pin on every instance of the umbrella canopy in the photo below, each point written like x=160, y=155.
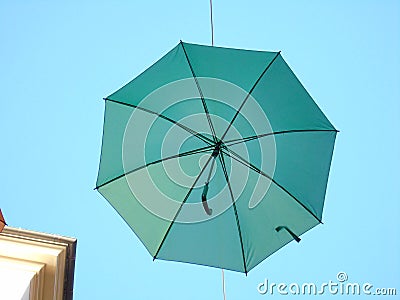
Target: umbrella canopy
x=216, y=156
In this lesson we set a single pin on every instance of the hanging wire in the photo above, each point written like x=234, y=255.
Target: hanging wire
x=212, y=24
x=212, y=44
x=223, y=284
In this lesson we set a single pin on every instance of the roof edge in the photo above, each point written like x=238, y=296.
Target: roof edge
x=68, y=242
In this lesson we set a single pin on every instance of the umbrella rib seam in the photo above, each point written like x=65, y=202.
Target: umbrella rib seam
x=239, y=159
x=201, y=94
x=248, y=94
x=191, y=152
x=180, y=207
x=250, y=138
x=102, y=143
x=191, y=131
x=235, y=210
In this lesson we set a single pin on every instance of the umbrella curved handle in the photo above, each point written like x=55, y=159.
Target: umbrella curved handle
x=294, y=236
x=204, y=200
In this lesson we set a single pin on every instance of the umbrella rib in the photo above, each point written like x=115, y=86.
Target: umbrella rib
x=244, y=162
x=191, y=152
x=221, y=158
x=201, y=95
x=248, y=95
x=180, y=207
x=191, y=131
x=250, y=138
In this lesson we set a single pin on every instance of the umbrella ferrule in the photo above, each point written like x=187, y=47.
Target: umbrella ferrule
x=215, y=152
x=217, y=149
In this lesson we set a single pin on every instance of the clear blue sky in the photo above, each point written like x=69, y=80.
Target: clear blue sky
x=57, y=62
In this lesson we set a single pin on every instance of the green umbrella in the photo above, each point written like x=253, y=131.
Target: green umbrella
x=216, y=156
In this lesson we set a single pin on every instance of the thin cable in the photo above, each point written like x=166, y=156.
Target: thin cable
x=223, y=284
x=209, y=175
x=212, y=24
